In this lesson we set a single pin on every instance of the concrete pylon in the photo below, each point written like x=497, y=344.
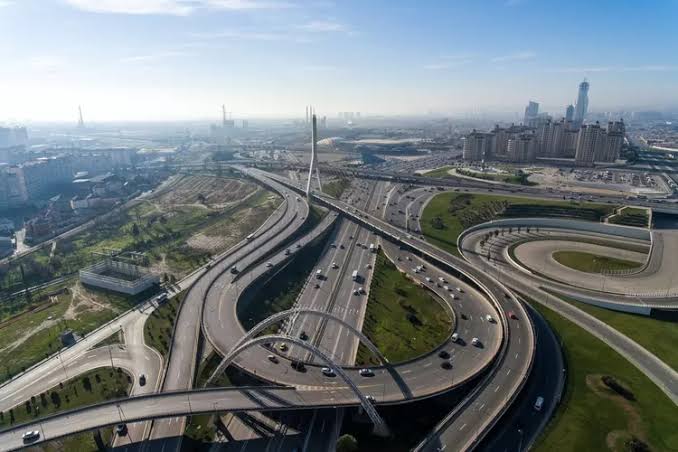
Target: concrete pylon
x=314, y=159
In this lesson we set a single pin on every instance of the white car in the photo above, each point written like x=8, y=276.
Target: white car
x=334, y=265
x=460, y=290
x=489, y=318
x=475, y=341
x=447, y=288
x=269, y=264
x=361, y=290
x=454, y=297
x=428, y=279
x=441, y=279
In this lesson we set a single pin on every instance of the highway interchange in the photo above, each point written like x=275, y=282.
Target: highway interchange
x=381, y=212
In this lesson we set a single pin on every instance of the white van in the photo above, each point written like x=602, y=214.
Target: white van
x=455, y=337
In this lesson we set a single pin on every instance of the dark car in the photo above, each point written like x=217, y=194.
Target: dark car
x=121, y=429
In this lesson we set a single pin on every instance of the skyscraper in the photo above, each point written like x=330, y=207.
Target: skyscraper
x=569, y=113
x=582, y=105
x=531, y=112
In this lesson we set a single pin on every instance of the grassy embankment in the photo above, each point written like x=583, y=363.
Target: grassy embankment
x=593, y=263
x=160, y=324
x=631, y=216
x=593, y=415
x=337, y=187
x=95, y=386
x=402, y=319
x=659, y=336
x=516, y=177
x=448, y=214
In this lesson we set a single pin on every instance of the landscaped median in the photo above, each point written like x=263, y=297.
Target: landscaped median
x=593, y=263
x=402, y=319
x=608, y=404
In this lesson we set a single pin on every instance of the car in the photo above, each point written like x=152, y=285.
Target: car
x=371, y=399
x=317, y=286
x=335, y=265
x=368, y=266
x=428, y=279
x=444, y=354
x=361, y=290
x=453, y=296
x=358, y=244
x=441, y=279
x=142, y=380
x=282, y=347
x=341, y=246
x=298, y=366
x=454, y=338
x=303, y=336
x=366, y=373
x=269, y=264
x=447, y=364
x=539, y=403
x=328, y=372
x=447, y=288
x=121, y=429
x=512, y=315
x=288, y=252
x=460, y=290
x=355, y=292
x=333, y=245
x=234, y=270
x=298, y=245
x=273, y=359
x=475, y=341
x=489, y=318
x=30, y=436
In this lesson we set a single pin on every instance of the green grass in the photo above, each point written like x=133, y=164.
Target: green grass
x=91, y=387
x=631, y=216
x=115, y=338
x=656, y=335
x=36, y=333
x=517, y=177
x=160, y=324
x=448, y=214
x=591, y=414
x=205, y=370
x=337, y=187
x=593, y=263
x=439, y=172
x=143, y=228
x=402, y=319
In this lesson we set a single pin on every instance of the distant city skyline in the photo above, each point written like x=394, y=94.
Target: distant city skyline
x=183, y=59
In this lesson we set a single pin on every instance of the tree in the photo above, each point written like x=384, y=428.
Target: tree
x=347, y=443
x=87, y=384
x=135, y=230
x=56, y=399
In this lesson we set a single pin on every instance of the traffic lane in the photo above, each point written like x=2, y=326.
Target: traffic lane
x=522, y=424
x=181, y=365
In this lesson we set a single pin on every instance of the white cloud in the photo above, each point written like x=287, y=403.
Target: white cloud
x=319, y=68
x=4, y=3
x=517, y=56
x=324, y=26
x=641, y=68
x=173, y=7
x=242, y=35
x=46, y=63
x=153, y=56
x=450, y=61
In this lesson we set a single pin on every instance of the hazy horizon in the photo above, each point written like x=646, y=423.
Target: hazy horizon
x=179, y=60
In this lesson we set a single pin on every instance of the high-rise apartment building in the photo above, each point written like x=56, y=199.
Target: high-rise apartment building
x=582, y=104
x=531, y=112
x=591, y=143
x=569, y=113
x=477, y=145
x=522, y=148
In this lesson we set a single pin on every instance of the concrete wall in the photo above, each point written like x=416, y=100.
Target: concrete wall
x=92, y=276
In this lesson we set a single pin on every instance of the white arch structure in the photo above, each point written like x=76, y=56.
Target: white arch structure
x=379, y=424
x=275, y=318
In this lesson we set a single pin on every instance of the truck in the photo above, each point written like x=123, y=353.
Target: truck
x=373, y=249
x=250, y=237
x=319, y=274
x=354, y=275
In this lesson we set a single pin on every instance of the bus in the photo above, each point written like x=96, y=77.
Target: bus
x=354, y=275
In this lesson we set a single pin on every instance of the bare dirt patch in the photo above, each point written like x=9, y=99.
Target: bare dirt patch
x=617, y=440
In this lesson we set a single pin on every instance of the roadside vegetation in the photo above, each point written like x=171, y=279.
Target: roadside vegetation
x=517, y=177
x=631, y=216
x=593, y=263
x=448, y=214
x=657, y=335
x=608, y=403
x=160, y=324
x=177, y=231
x=32, y=334
x=281, y=291
x=97, y=385
x=337, y=187
x=402, y=319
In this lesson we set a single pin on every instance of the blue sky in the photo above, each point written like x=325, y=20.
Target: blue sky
x=181, y=59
